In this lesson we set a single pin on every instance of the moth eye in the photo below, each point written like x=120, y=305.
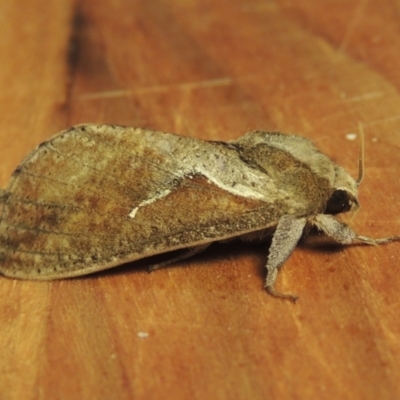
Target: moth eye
x=339, y=202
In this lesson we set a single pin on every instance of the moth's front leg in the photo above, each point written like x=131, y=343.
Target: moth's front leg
x=287, y=234
x=342, y=233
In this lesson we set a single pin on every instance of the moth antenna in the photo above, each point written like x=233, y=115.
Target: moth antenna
x=361, y=156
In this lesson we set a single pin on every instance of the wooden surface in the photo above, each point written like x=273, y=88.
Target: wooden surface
x=205, y=329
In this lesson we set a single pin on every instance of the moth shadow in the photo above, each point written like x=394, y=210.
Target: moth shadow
x=216, y=253
x=320, y=243
x=221, y=252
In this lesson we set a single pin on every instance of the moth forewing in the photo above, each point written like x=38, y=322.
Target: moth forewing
x=95, y=196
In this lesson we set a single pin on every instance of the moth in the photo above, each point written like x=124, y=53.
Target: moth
x=96, y=196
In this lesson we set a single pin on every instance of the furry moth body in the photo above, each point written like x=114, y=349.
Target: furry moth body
x=96, y=196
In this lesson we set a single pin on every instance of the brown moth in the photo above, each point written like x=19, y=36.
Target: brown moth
x=97, y=196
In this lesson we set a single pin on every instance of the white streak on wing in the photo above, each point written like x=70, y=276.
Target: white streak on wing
x=234, y=176
x=239, y=189
x=133, y=212
x=152, y=200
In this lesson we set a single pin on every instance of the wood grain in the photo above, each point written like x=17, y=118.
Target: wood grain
x=205, y=328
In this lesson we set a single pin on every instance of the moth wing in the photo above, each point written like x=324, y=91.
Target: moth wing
x=94, y=197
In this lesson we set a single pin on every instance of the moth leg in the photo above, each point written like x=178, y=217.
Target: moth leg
x=183, y=256
x=342, y=233
x=284, y=240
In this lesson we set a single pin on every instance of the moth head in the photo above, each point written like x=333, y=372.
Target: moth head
x=345, y=194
